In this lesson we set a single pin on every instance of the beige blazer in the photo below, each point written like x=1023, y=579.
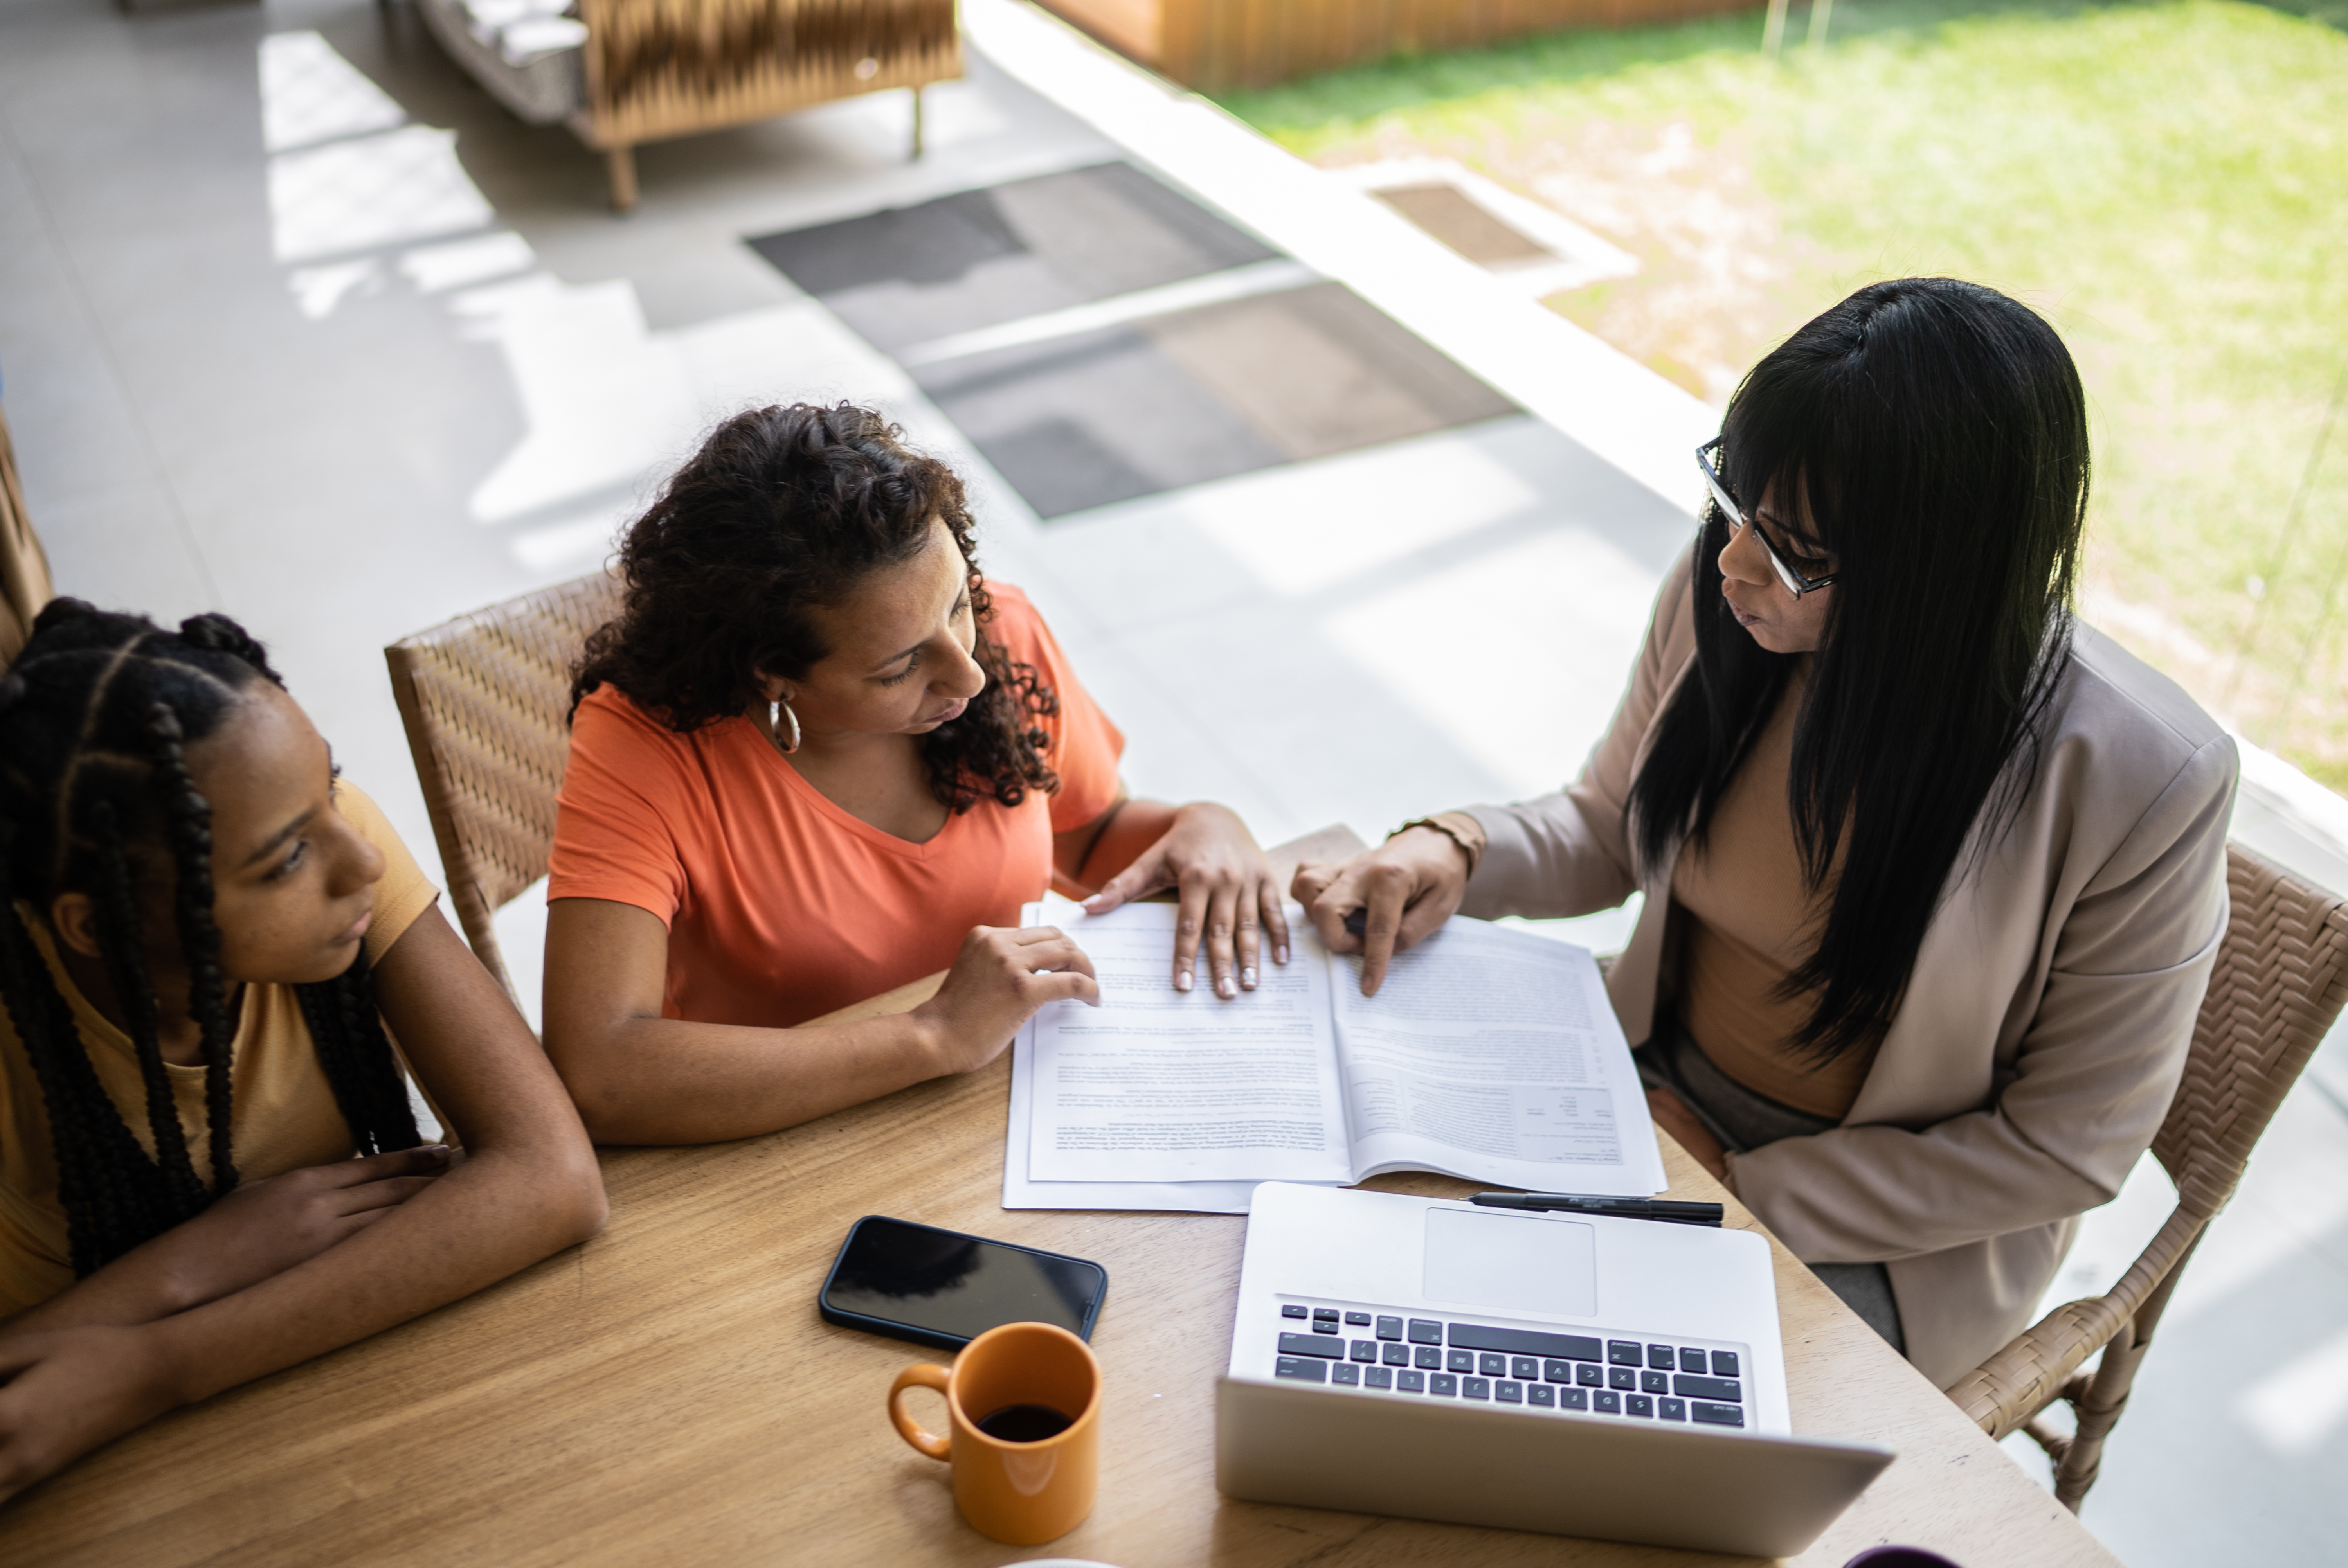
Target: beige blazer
x=2046, y=1026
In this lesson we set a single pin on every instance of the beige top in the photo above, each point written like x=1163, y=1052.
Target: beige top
x=282, y=1112
x=1748, y=924
x=2046, y=1022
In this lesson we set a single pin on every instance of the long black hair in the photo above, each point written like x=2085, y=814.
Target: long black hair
x=784, y=510
x=1938, y=431
x=95, y=797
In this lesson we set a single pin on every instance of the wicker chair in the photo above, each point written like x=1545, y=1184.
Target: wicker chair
x=662, y=68
x=485, y=699
x=25, y=583
x=2281, y=979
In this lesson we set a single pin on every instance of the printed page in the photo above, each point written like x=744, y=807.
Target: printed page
x=1493, y=1054
x=1020, y=1193
x=1166, y=1087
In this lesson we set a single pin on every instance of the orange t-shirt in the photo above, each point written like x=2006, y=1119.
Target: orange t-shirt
x=781, y=906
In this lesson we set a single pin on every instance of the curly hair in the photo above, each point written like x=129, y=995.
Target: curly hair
x=781, y=511
x=96, y=796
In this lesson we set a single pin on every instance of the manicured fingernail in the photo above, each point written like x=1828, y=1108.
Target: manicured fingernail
x=1280, y=955
x=1247, y=978
x=1182, y=981
x=1225, y=990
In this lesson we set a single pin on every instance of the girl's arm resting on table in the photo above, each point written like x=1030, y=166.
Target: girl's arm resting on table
x=526, y=1187
x=262, y=1228
x=640, y=1078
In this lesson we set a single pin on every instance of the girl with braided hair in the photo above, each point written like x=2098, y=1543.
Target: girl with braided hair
x=820, y=754
x=203, y=935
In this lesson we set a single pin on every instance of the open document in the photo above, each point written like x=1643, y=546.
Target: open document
x=1487, y=1054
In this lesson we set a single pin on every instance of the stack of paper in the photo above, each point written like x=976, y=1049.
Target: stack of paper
x=1488, y=1054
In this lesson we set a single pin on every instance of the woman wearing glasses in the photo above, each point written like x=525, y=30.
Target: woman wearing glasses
x=1934, y=874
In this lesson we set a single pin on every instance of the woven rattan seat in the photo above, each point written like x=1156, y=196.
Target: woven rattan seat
x=485, y=698
x=2281, y=979
x=24, y=584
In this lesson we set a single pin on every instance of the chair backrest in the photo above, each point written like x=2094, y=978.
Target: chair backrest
x=659, y=69
x=2280, y=980
x=24, y=584
x=485, y=699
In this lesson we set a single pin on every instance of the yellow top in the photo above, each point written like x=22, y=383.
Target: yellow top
x=284, y=1114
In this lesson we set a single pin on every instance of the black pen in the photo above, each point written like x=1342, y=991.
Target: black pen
x=1663, y=1209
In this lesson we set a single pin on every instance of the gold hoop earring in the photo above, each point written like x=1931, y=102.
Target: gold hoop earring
x=776, y=712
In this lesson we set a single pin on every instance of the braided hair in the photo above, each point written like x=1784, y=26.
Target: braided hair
x=95, y=717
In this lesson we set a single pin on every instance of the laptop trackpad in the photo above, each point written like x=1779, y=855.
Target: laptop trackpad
x=1506, y=1260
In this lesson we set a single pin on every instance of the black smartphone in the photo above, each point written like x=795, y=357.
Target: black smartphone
x=941, y=1287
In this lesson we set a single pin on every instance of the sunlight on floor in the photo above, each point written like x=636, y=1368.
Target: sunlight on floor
x=1497, y=652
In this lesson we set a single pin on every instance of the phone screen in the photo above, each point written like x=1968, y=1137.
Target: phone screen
x=943, y=1287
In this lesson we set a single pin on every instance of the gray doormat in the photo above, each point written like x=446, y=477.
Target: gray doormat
x=1242, y=362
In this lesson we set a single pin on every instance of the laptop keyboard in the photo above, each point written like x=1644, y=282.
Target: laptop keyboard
x=1613, y=1374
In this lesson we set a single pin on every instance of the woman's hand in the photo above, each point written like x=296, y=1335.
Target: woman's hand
x=1229, y=896
x=998, y=980
x=65, y=1391
x=1672, y=1114
x=1405, y=888
x=265, y=1228
x=258, y=1231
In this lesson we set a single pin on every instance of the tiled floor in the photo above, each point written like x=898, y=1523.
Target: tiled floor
x=235, y=385
x=1099, y=336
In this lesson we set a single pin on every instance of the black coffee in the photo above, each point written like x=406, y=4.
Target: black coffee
x=1024, y=1423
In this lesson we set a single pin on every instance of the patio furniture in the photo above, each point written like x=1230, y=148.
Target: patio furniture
x=620, y=73
x=486, y=698
x=1214, y=44
x=2280, y=980
x=24, y=584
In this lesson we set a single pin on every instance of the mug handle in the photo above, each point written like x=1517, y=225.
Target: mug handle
x=926, y=1375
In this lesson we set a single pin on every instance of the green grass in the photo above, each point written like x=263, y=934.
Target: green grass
x=2168, y=181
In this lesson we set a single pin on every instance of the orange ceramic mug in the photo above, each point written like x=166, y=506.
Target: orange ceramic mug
x=1024, y=1405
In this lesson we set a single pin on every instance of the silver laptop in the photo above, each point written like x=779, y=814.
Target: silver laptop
x=1618, y=1379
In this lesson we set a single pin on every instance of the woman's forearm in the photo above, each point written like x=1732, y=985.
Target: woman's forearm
x=139, y=1287
x=638, y=1077
x=261, y=1228
x=669, y=1081
x=1128, y=829
x=494, y=1215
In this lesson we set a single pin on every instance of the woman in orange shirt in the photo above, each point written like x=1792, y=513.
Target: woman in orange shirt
x=818, y=755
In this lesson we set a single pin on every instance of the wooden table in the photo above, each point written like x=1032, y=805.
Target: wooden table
x=666, y=1394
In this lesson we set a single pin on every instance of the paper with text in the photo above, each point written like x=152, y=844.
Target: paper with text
x=1159, y=1085
x=1493, y=1054
x=1489, y=1053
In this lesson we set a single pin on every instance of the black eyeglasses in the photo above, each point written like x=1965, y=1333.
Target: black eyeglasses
x=1795, y=583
